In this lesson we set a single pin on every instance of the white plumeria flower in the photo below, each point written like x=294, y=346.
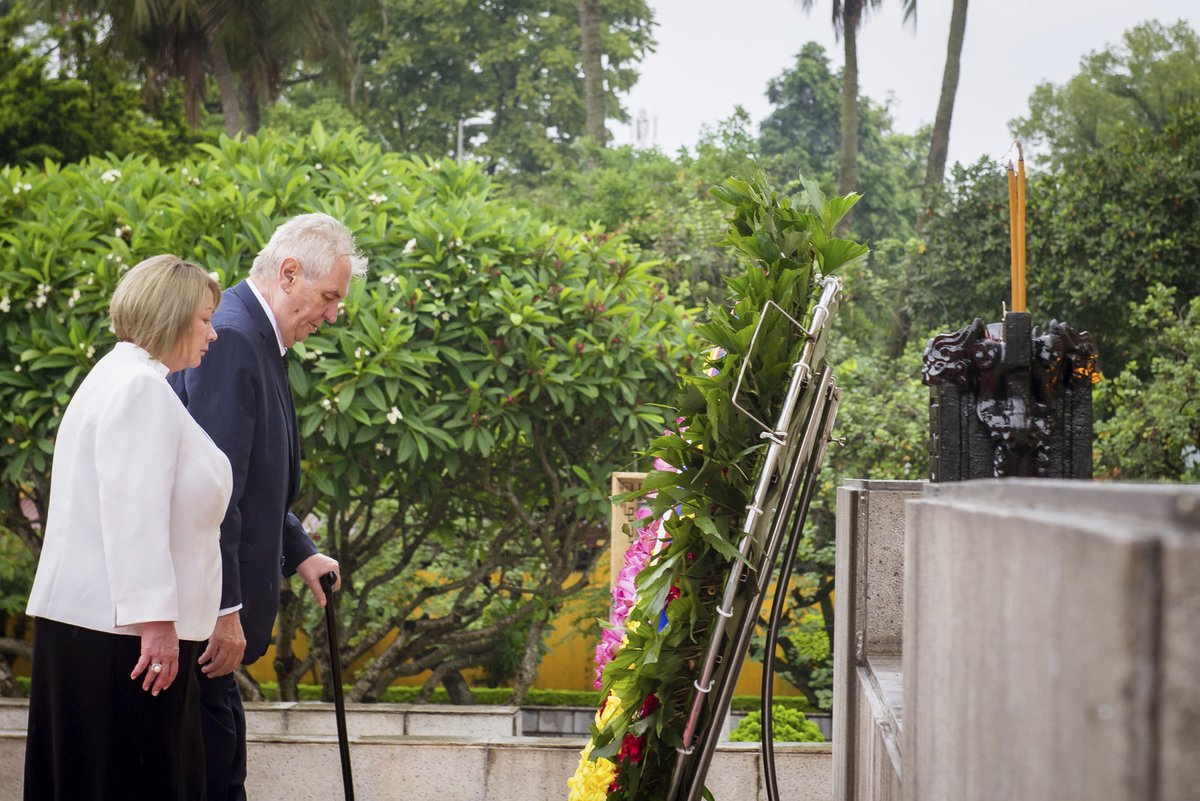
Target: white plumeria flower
x=394, y=416
x=5, y=304
x=318, y=166
x=108, y=176
x=376, y=198
x=410, y=246
x=326, y=404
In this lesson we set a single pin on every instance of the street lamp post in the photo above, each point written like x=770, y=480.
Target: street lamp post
x=462, y=124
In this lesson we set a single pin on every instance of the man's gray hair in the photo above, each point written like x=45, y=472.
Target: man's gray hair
x=315, y=240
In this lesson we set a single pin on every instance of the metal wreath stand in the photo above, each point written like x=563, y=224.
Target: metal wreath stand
x=782, y=494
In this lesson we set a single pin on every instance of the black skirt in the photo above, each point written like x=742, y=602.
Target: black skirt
x=95, y=734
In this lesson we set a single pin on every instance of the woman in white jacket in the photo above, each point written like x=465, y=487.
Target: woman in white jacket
x=129, y=579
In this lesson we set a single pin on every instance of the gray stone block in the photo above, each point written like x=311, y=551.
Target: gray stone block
x=1179, y=721
x=1032, y=660
x=14, y=714
x=869, y=627
x=463, y=769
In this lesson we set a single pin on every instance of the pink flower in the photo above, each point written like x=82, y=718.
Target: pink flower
x=659, y=464
x=624, y=594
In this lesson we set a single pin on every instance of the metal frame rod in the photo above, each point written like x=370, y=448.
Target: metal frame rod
x=770, y=777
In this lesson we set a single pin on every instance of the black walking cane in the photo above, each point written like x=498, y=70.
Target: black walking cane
x=335, y=667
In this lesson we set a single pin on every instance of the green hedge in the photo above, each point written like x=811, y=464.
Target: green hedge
x=534, y=697
x=499, y=695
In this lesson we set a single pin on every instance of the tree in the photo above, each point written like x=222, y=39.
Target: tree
x=460, y=427
x=246, y=47
x=660, y=202
x=68, y=116
x=515, y=65
x=802, y=135
x=1118, y=91
x=1149, y=426
x=593, y=68
x=803, y=130
x=1102, y=232
x=848, y=15
x=939, y=143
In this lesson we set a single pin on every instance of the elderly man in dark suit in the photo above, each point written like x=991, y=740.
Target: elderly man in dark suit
x=240, y=395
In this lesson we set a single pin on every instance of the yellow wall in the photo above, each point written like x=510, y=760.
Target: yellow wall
x=568, y=664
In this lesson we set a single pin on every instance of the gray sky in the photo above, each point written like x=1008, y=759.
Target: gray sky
x=716, y=54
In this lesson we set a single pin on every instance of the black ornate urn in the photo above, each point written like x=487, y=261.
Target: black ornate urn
x=1008, y=400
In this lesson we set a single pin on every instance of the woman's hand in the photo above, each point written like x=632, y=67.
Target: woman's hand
x=160, y=656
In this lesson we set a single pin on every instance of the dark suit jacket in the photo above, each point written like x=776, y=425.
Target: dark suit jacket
x=240, y=395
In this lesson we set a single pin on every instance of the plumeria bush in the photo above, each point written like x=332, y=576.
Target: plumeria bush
x=460, y=421
x=706, y=465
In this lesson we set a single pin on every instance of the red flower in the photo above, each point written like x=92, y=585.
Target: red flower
x=631, y=748
x=672, y=594
x=649, y=705
x=612, y=788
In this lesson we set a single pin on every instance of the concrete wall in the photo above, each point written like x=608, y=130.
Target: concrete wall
x=868, y=638
x=292, y=752
x=1052, y=642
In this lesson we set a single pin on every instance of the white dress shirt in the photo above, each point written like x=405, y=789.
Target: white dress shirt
x=137, y=495
x=270, y=315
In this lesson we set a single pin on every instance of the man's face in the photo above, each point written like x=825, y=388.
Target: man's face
x=309, y=303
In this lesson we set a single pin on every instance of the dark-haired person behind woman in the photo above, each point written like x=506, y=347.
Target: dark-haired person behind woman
x=129, y=580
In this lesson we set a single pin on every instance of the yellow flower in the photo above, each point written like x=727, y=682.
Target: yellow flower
x=611, y=708
x=593, y=777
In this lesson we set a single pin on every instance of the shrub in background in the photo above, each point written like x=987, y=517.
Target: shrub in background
x=460, y=422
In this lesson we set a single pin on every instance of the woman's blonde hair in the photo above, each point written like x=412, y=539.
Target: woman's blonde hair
x=156, y=301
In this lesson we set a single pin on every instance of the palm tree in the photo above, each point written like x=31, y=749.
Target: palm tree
x=939, y=144
x=593, y=68
x=847, y=17
x=245, y=46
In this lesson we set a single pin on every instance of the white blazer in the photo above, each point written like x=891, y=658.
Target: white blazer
x=137, y=494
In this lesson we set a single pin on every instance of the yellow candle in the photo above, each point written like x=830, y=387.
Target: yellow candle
x=1012, y=235
x=1019, y=285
